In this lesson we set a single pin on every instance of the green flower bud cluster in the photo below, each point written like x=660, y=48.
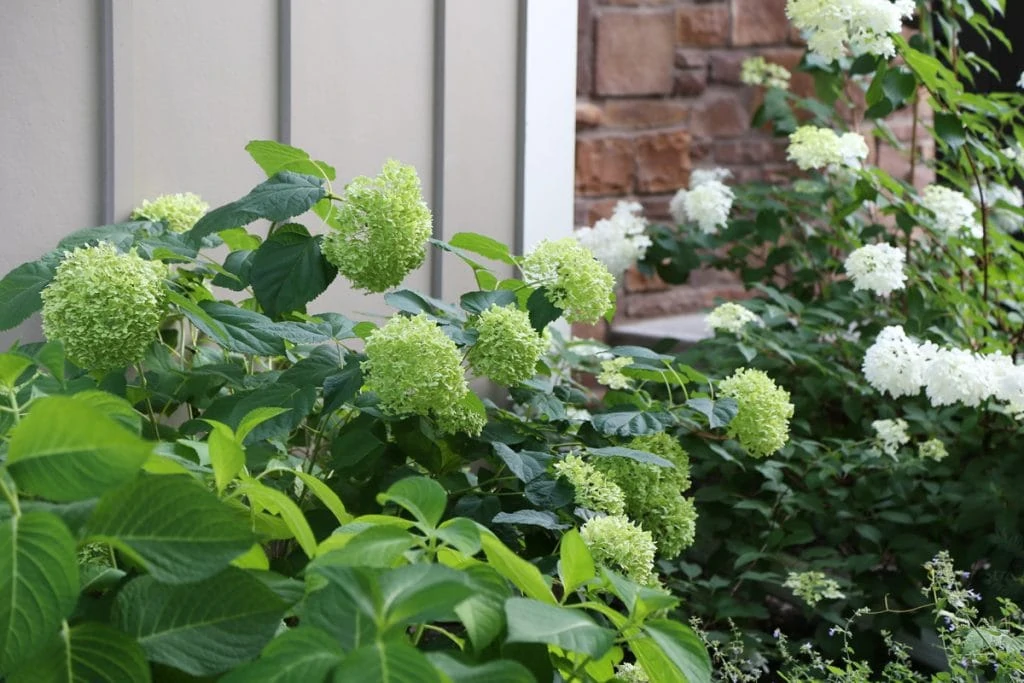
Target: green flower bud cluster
x=611, y=372
x=179, y=211
x=813, y=587
x=630, y=673
x=415, y=369
x=381, y=229
x=654, y=494
x=594, y=490
x=574, y=280
x=104, y=306
x=762, y=423
x=620, y=544
x=507, y=347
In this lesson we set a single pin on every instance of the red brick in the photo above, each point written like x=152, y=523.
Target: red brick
x=636, y=3
x=645, y=113
x=789, y=57
x=727, y=66
x=691, y=82
x=691, y=59
x=635, y=281
x=759, y=22
x=663, y=161
x=634, y=53
x=729, y=152
x=702, y=25
x=585, y=48
x=604, y=165
x=721, y=114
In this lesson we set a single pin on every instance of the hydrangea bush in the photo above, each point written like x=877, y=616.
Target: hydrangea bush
x=203, y=478
x=891, y=315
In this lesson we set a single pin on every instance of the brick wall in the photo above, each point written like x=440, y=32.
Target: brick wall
x=658, y=93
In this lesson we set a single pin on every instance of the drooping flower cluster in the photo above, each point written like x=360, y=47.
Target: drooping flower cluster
x=762, y=423
x=654, y=495
x=611, y=372
x=932, y=449
x=594, y=490
x=877, y=268
x=507, y=347
x=179, y=211
x=731, y=317
x=891, y=435
x=759, y=71
x=381, y=229
x=707, y=202
x=813, y=587
x=620, y=241
x=105, y=306
x=415, y=369
x=954, y=212
x=573, y=279
x=895, y=364
x=1006, y=219
x=622, y=545
x=811, y=147
x=865, y=26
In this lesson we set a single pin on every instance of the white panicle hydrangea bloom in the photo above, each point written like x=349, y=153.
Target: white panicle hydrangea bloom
x=731, y=317
x=1005, y=219
x=620, y=241
x=891, y=434
x=863, y=25
x=707, y=202
x=1008, y=384
x=759, y=71
x=895, y=363
x=811, y=147
x=877, y=268
x=957, y=376
x=954, y=212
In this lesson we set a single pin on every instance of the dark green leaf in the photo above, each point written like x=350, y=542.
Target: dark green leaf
x=541, y=310
x=719, y=413
x=289, y=270
x=530, y=621
x=499, y=671
x=19, y=292
x=949, y=129
x=542, y=518
x=477, y=302
x=302, y=655
x=87, y=652
x=38, y=584
x=239, y=265
x=628, y=423
x=525, y=465
x=173, y=526
x=548, y=493
x=393, y=662
x=201, y=628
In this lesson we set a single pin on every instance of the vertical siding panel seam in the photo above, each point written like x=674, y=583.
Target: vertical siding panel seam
x=107, y=135
x=437, y=145
x=284, y=71
x=520, y=158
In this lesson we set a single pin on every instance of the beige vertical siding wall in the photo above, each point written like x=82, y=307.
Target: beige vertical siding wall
x=191, y=81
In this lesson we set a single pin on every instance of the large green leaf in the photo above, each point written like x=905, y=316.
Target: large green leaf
x=483, y=613
x=393, y=662
x=499, y=671
x=65, y=450
x=628, y=423
x=173, y=526
x=38, y=583
x=488, y=247
x=273, y=157
x=231, y=410
x=87, y=652
x=530, y=621
x=521, y=573
x=423, y=497
x=270, y=500
x=343, y=601
x=302, y=655
x=200, y=628
x=283, y=196
x=575, y=563
x=526, y=465
x=419, y=593
x=672, y=652
x=12, y=365
x=19, y=292
x=289, y=270
x=249, y=332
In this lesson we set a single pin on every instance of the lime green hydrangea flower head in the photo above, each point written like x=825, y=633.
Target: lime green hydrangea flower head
x=382, y=229
x=594, y=490
x=762, y=423
x=458, y=418
x=611, y=372
x=415, y=369
x=575, y=281
x=654, y=494
x=813, y=587
x=619, y=544
x=105, y=306
x=630, y=673
x=179, y=211
x=507, y=347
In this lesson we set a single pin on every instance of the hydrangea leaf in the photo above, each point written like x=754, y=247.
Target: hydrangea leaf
x=273, y=157
x=87, y=652
x=289, y=271
x=530, y=621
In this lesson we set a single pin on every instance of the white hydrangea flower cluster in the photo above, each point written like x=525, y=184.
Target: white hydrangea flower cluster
x=954, y=212
x=932, y=449
x=707, y=202
x=863, y=25
x=620, y=241
x=876, y=268
x=759, y=71
x=891, y=435
x=811, y=147
x=900, y=366
x=731, y=317
x=1005, y=219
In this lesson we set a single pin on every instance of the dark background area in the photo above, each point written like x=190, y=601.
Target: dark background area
x=1009, y=64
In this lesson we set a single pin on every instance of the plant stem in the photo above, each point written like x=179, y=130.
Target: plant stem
x=11, y=496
